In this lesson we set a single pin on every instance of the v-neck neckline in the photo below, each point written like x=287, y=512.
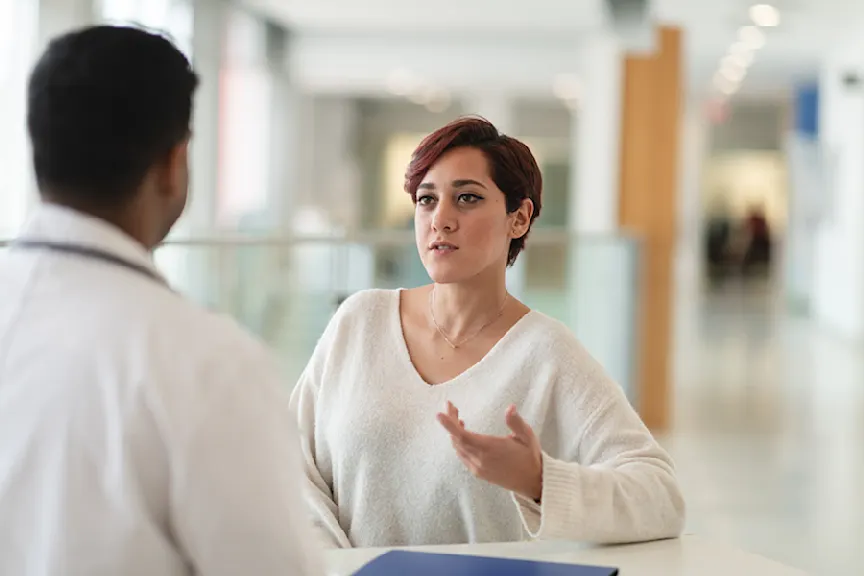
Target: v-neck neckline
x=404, y=352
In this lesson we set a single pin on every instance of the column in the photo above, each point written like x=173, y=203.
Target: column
x=650, y=136
x=19, y=23
x=693, y=150
x=207, y=57
x=595, y=138
x=285, y=137
x=498, y=110
x=838, y=275
x=600, y=287
x=196, y=269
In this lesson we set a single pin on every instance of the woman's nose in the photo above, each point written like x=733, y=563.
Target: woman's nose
x=444, y=218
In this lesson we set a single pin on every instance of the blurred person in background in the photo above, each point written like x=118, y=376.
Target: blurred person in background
x=757, y=255
x=139, y=434
x=453, y=413
x=718, y=239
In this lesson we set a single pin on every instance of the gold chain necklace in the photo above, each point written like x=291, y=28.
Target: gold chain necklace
x=472, y=336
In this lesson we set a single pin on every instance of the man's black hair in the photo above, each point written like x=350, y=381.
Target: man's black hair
x=104, y=105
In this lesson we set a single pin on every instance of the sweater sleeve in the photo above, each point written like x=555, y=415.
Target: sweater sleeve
x=613, y=483
x=317, y=491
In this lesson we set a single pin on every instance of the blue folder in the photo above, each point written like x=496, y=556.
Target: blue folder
x=404, y=563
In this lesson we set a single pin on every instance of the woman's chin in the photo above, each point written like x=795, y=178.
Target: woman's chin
x=444, y=274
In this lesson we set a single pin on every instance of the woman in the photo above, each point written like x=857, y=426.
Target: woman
x=453, y=413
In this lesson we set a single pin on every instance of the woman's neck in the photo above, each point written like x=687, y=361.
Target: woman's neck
x=460, y=308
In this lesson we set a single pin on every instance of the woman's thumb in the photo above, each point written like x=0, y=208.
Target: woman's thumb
x=517, y=424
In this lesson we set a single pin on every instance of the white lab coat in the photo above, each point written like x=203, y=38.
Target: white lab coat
x=139, y=434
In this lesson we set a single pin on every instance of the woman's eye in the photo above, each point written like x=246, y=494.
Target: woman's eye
x=425, y=200
x=469, y=198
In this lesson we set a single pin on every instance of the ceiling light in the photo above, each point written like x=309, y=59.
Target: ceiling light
x=401, y=82
x=765, y=15
x=739, y=59
x=739, y=48
x=726, y=85
x=438, y=101
x=752, y=37
x=566, y=87
x=733, y=74
x=729, y=89
x=421, y=96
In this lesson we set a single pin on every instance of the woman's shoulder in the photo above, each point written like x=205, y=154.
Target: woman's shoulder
x=559, y=358
x=557, y=344
x=363, y=300
x=364, y=310
x=552, y=333
x=359, y=317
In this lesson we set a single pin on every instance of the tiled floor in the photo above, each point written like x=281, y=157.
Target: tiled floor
x=769, y=432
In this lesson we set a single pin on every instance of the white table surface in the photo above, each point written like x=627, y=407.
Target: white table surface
x=685, y=556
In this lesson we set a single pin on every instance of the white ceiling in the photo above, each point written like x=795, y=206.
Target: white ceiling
x=793, y=50
x=412, y=15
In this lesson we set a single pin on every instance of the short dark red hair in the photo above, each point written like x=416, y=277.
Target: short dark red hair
x=511, y=165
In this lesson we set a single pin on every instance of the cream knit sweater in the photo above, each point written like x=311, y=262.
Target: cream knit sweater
x=381, y=471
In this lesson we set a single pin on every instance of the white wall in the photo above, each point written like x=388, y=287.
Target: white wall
x=838, y=291
x=807, y=187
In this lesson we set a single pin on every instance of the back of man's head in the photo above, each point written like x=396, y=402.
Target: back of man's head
x=106, y=105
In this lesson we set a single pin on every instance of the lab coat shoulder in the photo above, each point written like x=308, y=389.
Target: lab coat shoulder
x=232, y=447
x=203, y=367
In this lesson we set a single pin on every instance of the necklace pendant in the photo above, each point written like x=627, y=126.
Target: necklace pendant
x=441, y=331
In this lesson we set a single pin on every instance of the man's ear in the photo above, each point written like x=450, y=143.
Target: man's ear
x=175, y=167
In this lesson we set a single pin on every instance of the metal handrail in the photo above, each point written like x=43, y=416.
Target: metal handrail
x=370, y=237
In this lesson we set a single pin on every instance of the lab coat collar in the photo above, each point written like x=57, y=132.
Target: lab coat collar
x=54, y=223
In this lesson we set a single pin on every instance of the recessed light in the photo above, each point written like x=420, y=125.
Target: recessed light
x=729, y=89
x=438, y=101
x=726, y=85
x=752, y=37
x=765, y=15
x=733, y=74
x=401, y=82
x=566, y=87
x=740, y=60
x=739, y=48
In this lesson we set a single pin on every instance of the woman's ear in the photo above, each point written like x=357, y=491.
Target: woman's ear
x=521, y=219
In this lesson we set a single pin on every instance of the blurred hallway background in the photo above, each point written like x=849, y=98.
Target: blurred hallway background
x=768, y=428
x=703, y=221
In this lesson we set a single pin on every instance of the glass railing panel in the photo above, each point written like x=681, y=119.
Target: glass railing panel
x=286, y=290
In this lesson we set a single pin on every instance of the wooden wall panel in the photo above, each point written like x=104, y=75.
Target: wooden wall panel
x=651, y=112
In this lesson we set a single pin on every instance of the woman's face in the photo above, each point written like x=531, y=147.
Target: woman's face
x=460, y=219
